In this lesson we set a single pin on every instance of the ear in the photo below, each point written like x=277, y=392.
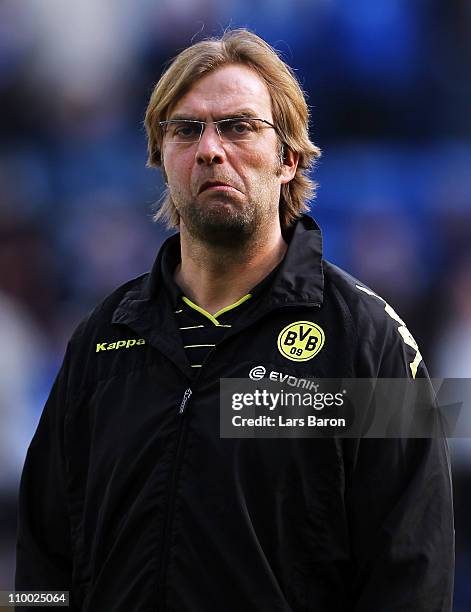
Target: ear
x=289, y=165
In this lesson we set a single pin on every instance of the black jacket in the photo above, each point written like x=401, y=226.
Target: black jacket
x=133, y=503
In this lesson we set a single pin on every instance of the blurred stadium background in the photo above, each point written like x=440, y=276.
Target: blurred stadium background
x=389, y=84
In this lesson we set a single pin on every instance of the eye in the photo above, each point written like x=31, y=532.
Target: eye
x=241, y=126
x=185, y=129
x=237, y=128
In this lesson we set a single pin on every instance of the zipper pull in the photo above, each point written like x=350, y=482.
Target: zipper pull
x=186, y=397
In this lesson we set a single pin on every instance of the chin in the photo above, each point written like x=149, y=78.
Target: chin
x=221, y=229
x=221, y=221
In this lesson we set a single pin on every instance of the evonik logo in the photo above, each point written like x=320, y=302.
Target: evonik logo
x=119, y=344
x=260, y=371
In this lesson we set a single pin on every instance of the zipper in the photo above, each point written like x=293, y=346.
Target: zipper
x=182, y=411
x=186, y=397
x=171, y=498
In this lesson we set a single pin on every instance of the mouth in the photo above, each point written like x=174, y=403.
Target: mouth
x=216, y=186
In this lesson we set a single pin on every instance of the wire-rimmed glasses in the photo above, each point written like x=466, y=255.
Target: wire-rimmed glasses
x=233, y=129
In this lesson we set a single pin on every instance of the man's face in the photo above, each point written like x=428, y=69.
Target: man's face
x=249, y=174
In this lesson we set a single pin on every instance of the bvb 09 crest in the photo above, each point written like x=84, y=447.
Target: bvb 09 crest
x=301, y=341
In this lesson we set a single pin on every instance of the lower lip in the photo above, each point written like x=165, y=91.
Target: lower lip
x=219, y=188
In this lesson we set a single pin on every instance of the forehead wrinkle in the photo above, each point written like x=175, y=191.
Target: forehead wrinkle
x=217, y=116
x=224, y=93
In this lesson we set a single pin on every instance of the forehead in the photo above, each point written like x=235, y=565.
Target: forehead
x=224, y=92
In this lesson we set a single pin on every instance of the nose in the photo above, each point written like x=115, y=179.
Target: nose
x=210, y=149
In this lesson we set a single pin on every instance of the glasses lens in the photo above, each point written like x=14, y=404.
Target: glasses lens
x=182, y=131
x=239, y=130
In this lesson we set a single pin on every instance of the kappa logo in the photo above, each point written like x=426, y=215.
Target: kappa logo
x=301, y=341
x=119, y=344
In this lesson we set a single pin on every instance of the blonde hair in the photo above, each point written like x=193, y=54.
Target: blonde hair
x=289, y=109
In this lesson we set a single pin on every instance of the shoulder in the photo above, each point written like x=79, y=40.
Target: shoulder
x=385, y=345
x=100, y=318
x=97, y=329
x=102, y=313
x=363, y=303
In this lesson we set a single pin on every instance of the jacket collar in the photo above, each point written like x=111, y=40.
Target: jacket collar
x=147, y=308
x=301, y=278
x=299, y=281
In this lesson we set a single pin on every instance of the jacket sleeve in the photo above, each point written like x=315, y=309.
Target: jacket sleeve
x=399, y=503
x=44, y=559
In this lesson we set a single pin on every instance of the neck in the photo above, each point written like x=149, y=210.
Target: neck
x=216, y=277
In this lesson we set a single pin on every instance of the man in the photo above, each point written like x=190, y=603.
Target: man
x=130, y=499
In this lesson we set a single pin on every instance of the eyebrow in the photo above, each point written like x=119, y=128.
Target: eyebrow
x=232, y=115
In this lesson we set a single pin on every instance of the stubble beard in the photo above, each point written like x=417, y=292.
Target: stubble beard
x=225, y=224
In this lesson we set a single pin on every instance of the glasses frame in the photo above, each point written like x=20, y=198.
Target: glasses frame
x=203, y=124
